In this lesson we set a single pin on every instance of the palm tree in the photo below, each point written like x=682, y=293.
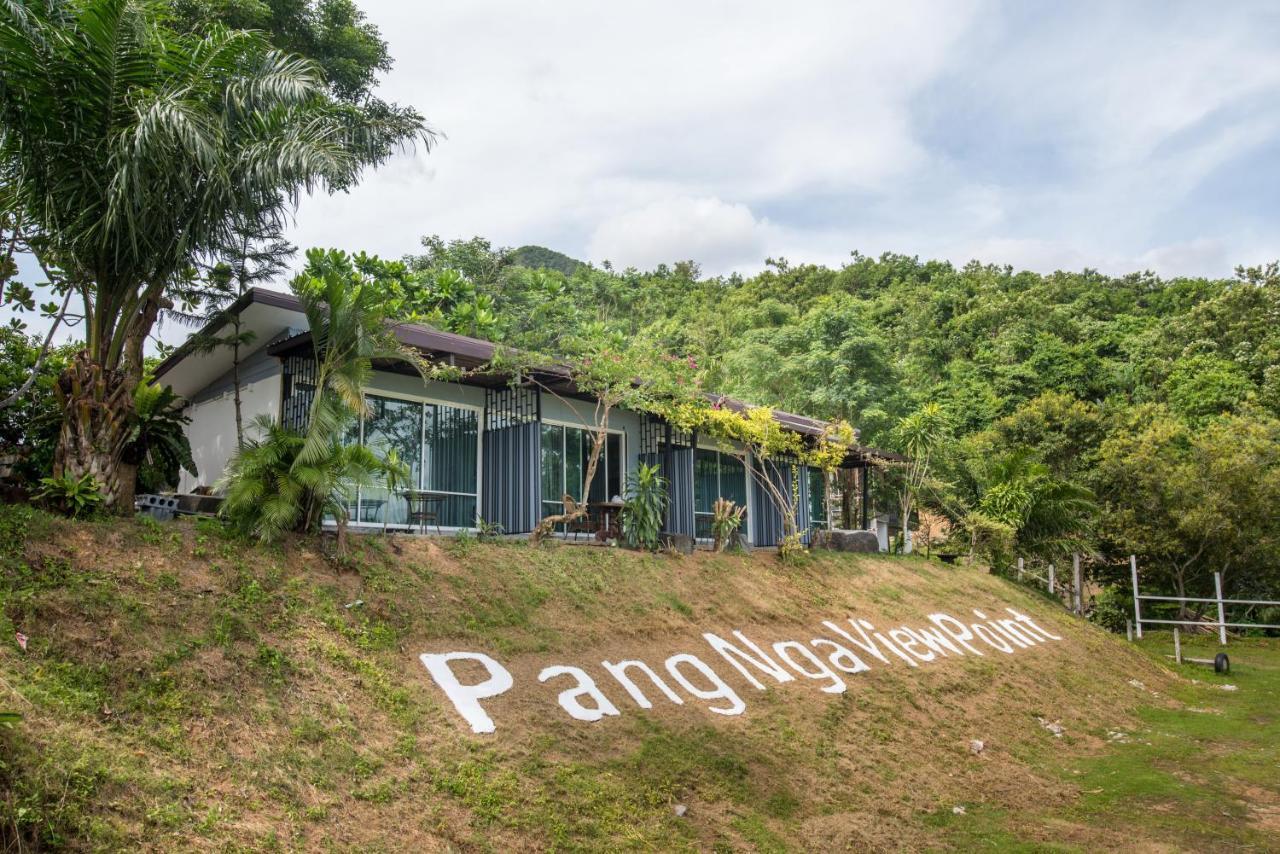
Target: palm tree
x=132, y=152
x=271, y=490
x=287, y=480
x=1049, y=516
x=921, y=435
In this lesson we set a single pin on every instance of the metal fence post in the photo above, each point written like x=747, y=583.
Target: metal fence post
x=1137, y=603
x=1222, y=613
x=1019, y=569
x=1051, y=586
x=1177, y=645
x=1128, y=629
x=1077, y=583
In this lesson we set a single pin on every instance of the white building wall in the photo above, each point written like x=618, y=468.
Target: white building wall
x=212, y=431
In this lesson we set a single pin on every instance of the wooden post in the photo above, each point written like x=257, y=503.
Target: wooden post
x=1222, y=612
x=1137, y=603
x=1077, y=583
x=1177, y=645
x=1128, y=629
x=1051, y=585
x=1019, y=569
x=866, y=497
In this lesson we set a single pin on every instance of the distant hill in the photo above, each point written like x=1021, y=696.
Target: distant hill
x=542, y=258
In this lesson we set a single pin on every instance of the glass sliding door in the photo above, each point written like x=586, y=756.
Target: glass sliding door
x=392, y=425
x=715, y=475
x=607, y=482
x=439, y=444
x=566, y=454
x=552, y=469
x=818, y=499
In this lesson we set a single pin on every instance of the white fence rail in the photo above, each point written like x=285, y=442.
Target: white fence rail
x=1222, y=603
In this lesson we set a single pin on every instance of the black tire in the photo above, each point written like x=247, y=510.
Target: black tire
x=1221, y=664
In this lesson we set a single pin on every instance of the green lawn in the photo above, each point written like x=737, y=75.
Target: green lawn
x=1201, y=771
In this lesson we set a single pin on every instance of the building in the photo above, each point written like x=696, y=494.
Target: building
x=481, y=447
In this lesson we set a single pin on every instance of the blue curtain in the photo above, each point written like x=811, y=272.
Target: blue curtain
x=449, y=454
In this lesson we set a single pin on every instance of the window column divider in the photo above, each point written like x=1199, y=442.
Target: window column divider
x=422, y=445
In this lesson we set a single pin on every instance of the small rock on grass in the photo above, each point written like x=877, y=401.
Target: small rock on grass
x=680, y=810
x=1052, y=726
x=958, y=810
x=976, y=746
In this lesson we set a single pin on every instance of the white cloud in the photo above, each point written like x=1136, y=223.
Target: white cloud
x=1200, y=257
x=718, y=235
x=562, y=119
x=1117, y=136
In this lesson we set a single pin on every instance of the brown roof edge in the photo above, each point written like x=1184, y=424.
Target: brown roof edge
x=276, y=299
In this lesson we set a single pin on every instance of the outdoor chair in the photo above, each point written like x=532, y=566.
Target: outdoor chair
x=578, y=524
x=423, y=510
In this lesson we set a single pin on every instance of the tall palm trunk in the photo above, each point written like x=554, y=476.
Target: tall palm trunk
x=97, y=404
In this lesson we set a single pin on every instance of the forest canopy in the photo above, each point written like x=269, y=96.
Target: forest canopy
x=1138, y=406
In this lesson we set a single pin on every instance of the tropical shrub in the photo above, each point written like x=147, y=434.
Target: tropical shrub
x=1112, y=608
x=726, y=519
x=643, y=506
x=395, y=476
x=791, y=548
x=70, y=496
x=158, y=446
x=272, y=487
x=486, y=530
x=288, y=480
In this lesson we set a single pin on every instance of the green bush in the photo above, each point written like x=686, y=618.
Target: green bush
x=643, y=506
x=71, y=496
x=1111, y=609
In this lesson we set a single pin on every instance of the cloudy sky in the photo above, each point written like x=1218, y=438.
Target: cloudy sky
x=1118, y=136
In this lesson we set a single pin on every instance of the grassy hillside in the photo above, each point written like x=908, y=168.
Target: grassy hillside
x=184, y=689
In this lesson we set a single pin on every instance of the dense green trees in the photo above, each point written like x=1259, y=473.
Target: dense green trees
x=1086, y=412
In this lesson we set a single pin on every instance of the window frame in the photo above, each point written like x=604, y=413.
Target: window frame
x=423, y=402
x=565, y=426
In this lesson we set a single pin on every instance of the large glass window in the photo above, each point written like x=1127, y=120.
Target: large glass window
x=817, y=498
x=715, y=475
x=450, y=450
x=566, y=453
x=392, y=425
x=439, y=444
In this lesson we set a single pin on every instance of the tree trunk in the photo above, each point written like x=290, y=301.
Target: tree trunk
x=128, y=479
x=548, y=524
x=97, y=405
x=235, y=377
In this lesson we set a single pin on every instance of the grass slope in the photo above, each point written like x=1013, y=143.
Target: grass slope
x=185, y=689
